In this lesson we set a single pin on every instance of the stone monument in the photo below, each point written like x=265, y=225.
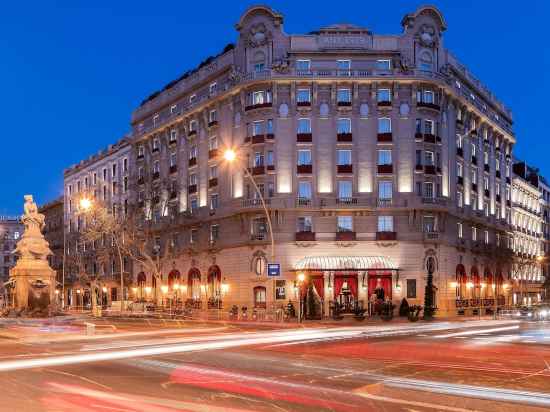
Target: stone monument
x=33, y=278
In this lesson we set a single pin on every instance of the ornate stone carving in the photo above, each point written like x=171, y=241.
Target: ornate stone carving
x=281, y=66
x=258, y=35
x=32, y=244
x=426, y=35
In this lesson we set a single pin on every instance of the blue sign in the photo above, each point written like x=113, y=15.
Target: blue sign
x=273, y=269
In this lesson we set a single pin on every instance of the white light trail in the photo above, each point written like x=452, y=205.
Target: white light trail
x=476, y=332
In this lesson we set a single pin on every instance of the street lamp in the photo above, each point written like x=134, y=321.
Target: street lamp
x=299, y=280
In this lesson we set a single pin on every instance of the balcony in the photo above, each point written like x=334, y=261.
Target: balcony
x=303, y=202
x=384, y=137
x=141, y=180
x=345, y=236
x=172, y=142
x=258, y=106
x=487, y=168
x=269, y=136
x=173, y=169
x=257, y=170
x=430, y=236
x=429, y=169
x=459, y=180
x=460, y=151
x=386, y=236
x=304, y=104
x=305, y=236
x=426, y=105
x=384, y=203
x=213, y=153
x=385, y=169
x=213, y=182
x=344, y=137
x=270, y=167
x=344, y=169
x=192, y=189
x=419, y=168
x=261, y=236
x=155, y=150
x=474, y=187
x=303, y=137
x=257, y=139
x=429, y=138
x=192, y=133
x=155, y=175
x=384, y=103
x=487, y=193
x=418, y=136
x=474, y=160
x=497, y=174
x=192, y=161
x=346, y=201
x=213, y=123
x=344, y=104
x=304, y=169
x=140, y=157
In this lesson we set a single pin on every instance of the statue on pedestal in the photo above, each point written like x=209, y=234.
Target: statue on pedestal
x=32, y=279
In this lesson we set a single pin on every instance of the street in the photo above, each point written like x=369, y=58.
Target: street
x=134, y=366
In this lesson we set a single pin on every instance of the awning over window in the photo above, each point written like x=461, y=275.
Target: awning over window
x=334, y=263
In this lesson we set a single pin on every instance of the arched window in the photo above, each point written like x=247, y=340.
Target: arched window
x=489, y=283
x=258, y=61
x=476, y=284
x=173, y=277
x=260, y=297
x=141, y=282
x=259, y=264
x=461, y=281
x=214, y=281
x=194, y=283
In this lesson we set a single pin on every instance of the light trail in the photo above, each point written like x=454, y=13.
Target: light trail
x=476, y=332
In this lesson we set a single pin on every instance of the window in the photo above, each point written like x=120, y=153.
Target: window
x=304, y=190
x=155, y=119
x=303, y=96
x=418, y=126
x=429, y=190
x=258, y=159
x=429, y=127
x=194, y=205
x=485, y=182
x=384, y=95
x=192, y=98
x=459, y=169
x=384, y=157
x=385, y=190
x=140, y=151
x=343, y=126
x=345, y=224
x=344, y=96
x=459, y=230
x=173, y=159
x=385, y=223
x=257, y=128
x=343, y=157
x=214, y=233
x=486, y=158
x=345, y=190
x=459, y=141
x=213, y=88
x=261, y=97
x=304, y=125
x=411, y=288
x=428, y=223
x=343, y=67
x=474, y=175
x=213, y=173
x=384, y=125
x=474, y=233
x=193, y=126
x=303, y=65
x=193, y=152
x=269, y=126
x=486, y=236
x=213, y=143
x=192, y=179
x=304, y=224
x=459, y=199
x=428, y=158
x=193, y=235
x=173, y=108
x=212, y=116
x=260, y=296
x=214, y=199
x=156, y=166
x=269, y=158
x=304, y=157
x=473, y=146
x=383, y=64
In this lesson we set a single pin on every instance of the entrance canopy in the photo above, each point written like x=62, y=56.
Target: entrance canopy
x=345, y=263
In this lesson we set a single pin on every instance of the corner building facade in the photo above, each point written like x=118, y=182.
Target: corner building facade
x=375, y=154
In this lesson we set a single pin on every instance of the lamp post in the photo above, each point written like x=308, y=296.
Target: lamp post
x=164, y=290
x=230, y=156
x=299, y=280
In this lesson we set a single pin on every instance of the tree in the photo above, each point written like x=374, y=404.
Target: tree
x=429, y=307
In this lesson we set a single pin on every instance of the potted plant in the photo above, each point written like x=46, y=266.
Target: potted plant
x=404, y=308
x=387, y=310
x=414, y=312
x=359, y=312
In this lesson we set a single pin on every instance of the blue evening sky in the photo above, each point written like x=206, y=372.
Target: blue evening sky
x=71, y=72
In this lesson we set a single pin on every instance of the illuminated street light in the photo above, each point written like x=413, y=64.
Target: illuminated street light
x=85, y=204
x=230, y=155
x=164, y=289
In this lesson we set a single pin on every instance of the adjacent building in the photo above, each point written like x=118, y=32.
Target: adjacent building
x=11, y=230
x=53, y=233
x=104, y=181
x=378, y=156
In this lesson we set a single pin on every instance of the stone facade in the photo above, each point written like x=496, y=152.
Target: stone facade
x=11, y=230
x=53, y=233
x=363, y=145
x=104, y=179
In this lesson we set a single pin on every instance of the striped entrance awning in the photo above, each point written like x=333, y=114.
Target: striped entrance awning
x=345, y=263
